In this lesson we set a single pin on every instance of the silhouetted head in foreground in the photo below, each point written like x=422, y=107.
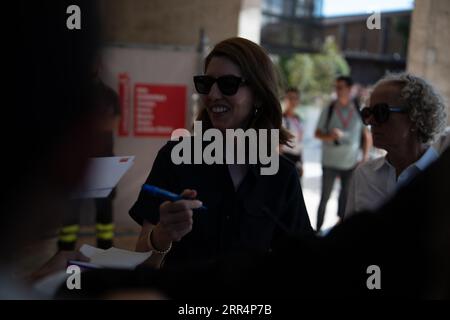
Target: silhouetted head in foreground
x=51, y=116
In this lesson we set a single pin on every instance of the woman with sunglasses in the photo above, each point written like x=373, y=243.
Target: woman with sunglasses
x=246, y=211
x=405, y=114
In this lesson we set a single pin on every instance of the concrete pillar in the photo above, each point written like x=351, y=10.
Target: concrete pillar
x=429, y=43
x=250, y=20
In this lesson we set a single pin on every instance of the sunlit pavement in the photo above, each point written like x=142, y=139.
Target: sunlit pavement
x=312, y=172
x=311, y=194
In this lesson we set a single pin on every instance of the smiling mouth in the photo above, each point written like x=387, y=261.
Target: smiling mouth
x=218, y=109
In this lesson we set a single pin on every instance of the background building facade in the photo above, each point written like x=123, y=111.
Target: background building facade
x=371, y=53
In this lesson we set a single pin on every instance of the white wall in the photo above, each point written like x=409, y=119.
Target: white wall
x=161, y=65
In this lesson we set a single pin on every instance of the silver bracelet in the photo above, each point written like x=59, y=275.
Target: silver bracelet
x=150, y=244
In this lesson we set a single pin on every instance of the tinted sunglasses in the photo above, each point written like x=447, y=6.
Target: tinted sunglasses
x=380, y=112
x=228, y=85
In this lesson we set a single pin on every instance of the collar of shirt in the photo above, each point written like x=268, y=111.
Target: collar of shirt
x=412, y=170
x=378, y=163
x=428, y=158
x=349, y=105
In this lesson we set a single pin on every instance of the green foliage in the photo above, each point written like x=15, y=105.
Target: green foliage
x=314, y=74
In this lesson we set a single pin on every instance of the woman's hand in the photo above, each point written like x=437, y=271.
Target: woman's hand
x=175, y=220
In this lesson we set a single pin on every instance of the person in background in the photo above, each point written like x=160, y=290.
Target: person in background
x=107, y=102
x=342, y=133
x=293, y=123
x=406, y=114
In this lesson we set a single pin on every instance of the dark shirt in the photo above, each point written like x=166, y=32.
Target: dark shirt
x=407, y=238
x=263, y=209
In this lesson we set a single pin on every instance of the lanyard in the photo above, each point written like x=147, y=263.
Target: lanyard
x=345, y=121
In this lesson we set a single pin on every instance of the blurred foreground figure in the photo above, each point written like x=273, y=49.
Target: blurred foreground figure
x=52, y=126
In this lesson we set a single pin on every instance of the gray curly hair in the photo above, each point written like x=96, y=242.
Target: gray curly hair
x=428, y=109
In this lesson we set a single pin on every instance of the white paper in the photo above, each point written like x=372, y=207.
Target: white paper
x=111, y=258
x=90, y=251
x=102, y=175
x=114, y=257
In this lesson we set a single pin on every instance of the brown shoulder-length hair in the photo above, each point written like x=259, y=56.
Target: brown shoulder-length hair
x=259, y=72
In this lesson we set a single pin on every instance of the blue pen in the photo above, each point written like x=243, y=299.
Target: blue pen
x=161, y=193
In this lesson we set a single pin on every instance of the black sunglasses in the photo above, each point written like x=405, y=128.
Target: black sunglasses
x=228, y=85
x=380, y=112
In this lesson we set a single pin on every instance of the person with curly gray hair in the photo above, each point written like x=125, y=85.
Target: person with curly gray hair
x=406, y=114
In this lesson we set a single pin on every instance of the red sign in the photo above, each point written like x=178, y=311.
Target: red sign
x=158, y=109
x=125, y=104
